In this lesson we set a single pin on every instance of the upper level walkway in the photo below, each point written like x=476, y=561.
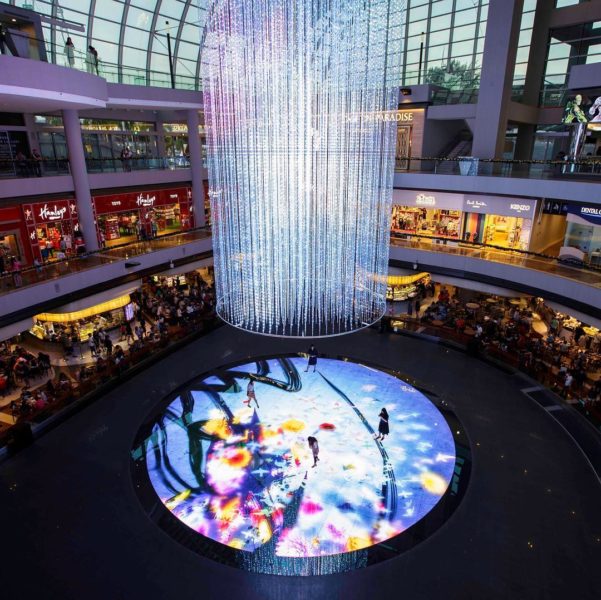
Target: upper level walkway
x=571, y=285
x=59, y=282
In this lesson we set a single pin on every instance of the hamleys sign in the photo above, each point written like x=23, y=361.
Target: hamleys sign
x=52, y=214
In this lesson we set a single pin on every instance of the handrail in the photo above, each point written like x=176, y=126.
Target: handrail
x=113, y=72
x=31, y=167
x=482, y=246
x=501, y=167
x=119, y=252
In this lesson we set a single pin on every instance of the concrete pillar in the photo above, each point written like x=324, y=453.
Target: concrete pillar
x=537, y=59
x=498, y=63
x=161, y=149
x=77, y=163
x=198, y=192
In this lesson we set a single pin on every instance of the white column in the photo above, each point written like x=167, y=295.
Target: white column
x=77, y=162
x=198, y=192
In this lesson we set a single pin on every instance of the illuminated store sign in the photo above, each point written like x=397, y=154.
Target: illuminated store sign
x=52, y=214
x=424, y=200
x=133, y=201
x=145, y=201
x=500, y=205
x=428, y=199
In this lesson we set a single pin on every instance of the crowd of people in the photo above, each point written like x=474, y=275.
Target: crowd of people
x=567, y=361
x=162, y=311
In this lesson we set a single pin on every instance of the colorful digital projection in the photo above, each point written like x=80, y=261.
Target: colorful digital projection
x=301, y=159
x=242, y=475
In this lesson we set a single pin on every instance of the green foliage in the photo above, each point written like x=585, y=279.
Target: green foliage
x=455, y=76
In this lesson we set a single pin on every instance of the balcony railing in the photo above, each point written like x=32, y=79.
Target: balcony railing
x=578, y=272
x=120, y=165
x=12, y=169
x=112, y=72
x=11, y=281
x=530, y=169
x=16, y=169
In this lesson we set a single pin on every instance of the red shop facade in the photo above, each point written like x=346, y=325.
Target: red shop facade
x=47, y=223
x=13, y=235
x=127, y=216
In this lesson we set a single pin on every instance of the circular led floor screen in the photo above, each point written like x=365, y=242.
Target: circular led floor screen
x=294, y=475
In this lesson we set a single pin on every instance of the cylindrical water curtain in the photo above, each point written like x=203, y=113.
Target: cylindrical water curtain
x=301, y=159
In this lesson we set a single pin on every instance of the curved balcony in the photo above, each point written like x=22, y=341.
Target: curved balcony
x=578, y=288
x=555, y=179
x=24, y=294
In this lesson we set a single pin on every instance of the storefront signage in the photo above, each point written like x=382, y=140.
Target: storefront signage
x=133, y=201
x=428, y=199
x=500, y=205
x=145, y=201
x=425, y=200
x=52, y=214
x=584, y=214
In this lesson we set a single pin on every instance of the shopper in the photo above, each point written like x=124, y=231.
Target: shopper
x=92, y=346
x=312, y=359
x=70, y=52
x=125, y=157
x=37, y=159
x=16, y=269
x=250, y=394
x=314, y=449
x=383, y=429
x=92, y=61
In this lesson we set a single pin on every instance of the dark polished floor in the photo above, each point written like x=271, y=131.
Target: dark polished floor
x=528, y=527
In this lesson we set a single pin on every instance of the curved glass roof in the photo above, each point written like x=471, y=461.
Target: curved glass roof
x=441, y=38
x=129, y=35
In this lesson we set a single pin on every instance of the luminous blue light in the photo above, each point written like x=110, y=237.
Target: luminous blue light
x=300, y=162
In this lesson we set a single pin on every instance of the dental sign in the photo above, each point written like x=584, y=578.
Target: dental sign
x=584, y=214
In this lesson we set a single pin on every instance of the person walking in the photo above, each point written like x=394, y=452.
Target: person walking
x=314, y=449
x=250, y=394
x=70, y=52
x=16, y=268
x=383, y=429
x=312, y=359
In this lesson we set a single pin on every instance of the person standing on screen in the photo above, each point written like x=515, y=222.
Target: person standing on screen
x=312, y=359
x=383, y=429
x=250, y=393
x=314, y=448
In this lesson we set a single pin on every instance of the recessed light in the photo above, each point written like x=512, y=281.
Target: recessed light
x=14, y=20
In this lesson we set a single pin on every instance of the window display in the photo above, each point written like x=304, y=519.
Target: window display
x=53, y=229
x=127, y=217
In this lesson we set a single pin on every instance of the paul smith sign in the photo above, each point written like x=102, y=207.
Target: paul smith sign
x=52, y=214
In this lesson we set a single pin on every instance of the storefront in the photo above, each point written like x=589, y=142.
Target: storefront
x=82, y=323
x=583, y=233
x=498, y=221
x=53, y=229
x=176, y=144
x=436, y=214
x=13, y=236
x=127, y=217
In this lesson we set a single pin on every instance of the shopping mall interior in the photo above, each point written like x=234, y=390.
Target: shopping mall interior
x=246, y=256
